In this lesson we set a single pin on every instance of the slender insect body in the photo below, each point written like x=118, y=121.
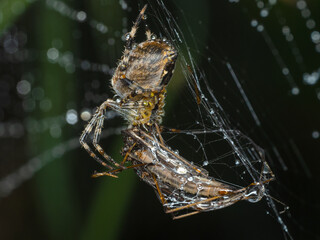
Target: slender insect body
x=181, y=182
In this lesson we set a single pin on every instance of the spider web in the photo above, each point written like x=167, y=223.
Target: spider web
x=236, y=62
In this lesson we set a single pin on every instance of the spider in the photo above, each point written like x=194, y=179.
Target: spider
x=139, y=82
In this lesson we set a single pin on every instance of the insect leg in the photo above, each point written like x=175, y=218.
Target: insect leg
x=127, y=154
x=100, y=174
x=192, y=204
x=159, y=190
x=186, y=215
x=111, y=172
x=159, y=133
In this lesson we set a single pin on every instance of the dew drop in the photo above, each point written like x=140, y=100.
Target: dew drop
x=53, y=54
x=260, y=28
x=310, y=24
x=55, y=131
x=71, y=116
x=182, y=170
x=285, y=71
x=301, y=4
x=305, y=13
x=81, y=16
x=23, y=87
x=45, y=104
x=311, y=79
x=260, y=4
x=315, y=37
x=315, y=134
x=85, y=115
x=295, y=91
x=254, y=23
x=264, y=13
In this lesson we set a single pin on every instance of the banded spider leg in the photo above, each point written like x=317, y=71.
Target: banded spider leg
x=96, y=123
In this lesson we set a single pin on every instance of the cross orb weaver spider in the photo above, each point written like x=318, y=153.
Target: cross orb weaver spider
x=140, y=81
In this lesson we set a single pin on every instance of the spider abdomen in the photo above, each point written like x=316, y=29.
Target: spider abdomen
x=149, y=65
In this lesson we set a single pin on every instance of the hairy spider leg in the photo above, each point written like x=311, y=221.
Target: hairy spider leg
x=97, y=134
x=131, y=35
x=110, y=172
x=84, y=136
x=148, y=31
x=97, y=123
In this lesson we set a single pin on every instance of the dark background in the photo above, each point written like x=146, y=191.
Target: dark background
x=61, y=201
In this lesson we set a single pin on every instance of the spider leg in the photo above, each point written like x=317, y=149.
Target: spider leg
x=148, y=32
x=84, y=136
x=97, y=133
x=96, y=123
x=131, y=35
